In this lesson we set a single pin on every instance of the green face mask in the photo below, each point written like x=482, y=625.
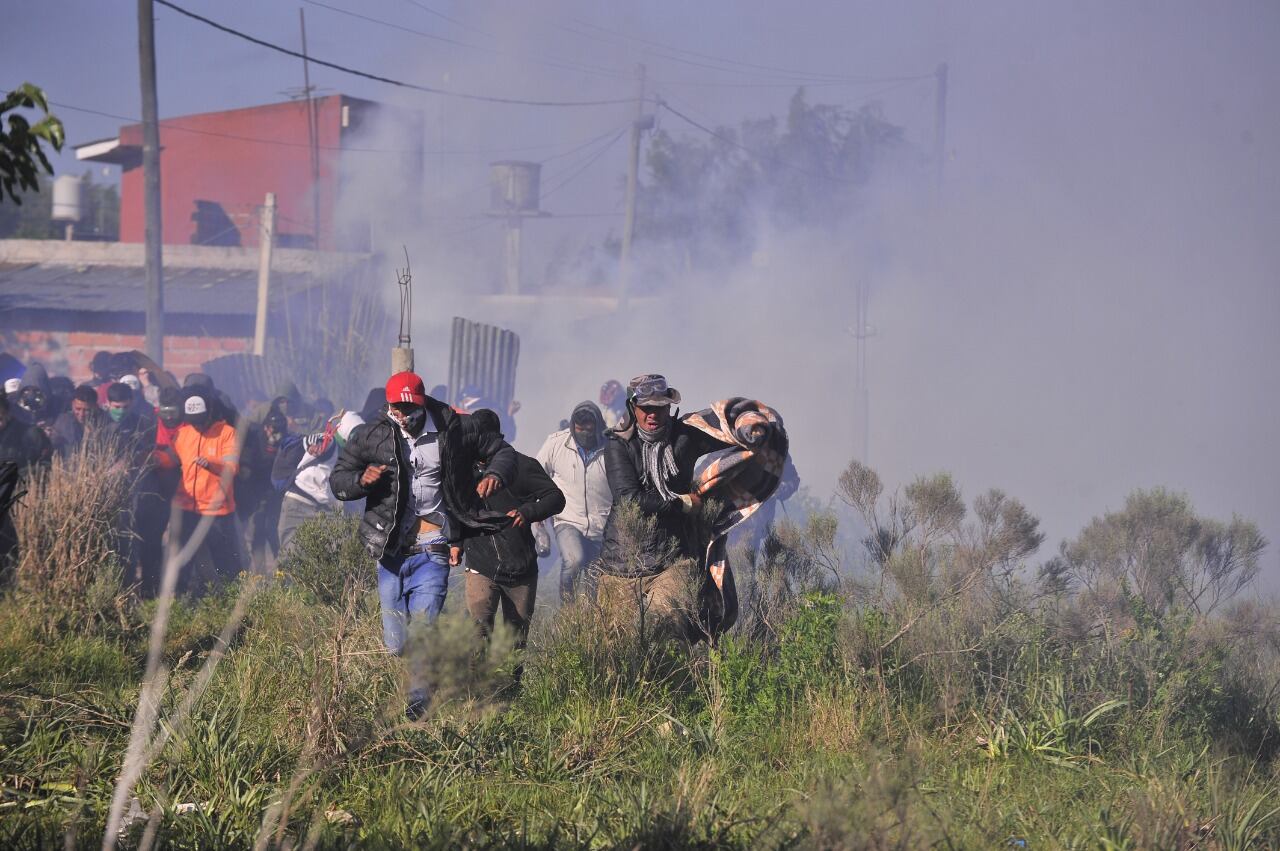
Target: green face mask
x=116, y=414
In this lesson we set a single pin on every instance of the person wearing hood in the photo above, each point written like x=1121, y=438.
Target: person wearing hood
x=34, y=400
x=301, y=472
x=24, y=450
x=415, y=470
x=257, y=502
x=502, y=568
x=613, y=403
x=85, y=418
x=650, y=462
x=206, y=452
x=574, y=458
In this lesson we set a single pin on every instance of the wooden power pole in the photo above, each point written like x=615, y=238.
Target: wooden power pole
x=641, y=123
x=151, y=182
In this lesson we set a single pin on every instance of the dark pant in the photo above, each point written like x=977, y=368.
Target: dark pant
x=150, y=517
x=484, y=596
x=220, y=556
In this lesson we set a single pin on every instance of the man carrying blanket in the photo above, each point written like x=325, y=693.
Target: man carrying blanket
x=663, y=554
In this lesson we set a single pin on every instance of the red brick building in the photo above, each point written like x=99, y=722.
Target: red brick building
x=217, y=167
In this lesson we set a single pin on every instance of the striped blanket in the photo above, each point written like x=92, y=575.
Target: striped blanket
x=741, y=479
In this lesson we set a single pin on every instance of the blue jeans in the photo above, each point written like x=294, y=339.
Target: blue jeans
x=577, y=551
x=412, y=589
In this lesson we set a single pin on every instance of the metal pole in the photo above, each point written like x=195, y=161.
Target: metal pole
x=151, y=182
x=514, y=224
x=266, y=241
x=940, y=121
x=313, y=135
x=633, y=184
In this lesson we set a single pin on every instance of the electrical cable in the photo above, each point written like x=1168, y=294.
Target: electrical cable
x=381, y=79
x=809, y=75
x=579, y=68
x=169, y=125
x=547, y=193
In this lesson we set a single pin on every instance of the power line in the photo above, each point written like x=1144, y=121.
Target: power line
x=168, y=125
x=578, y=67
x=800, y=75
x=381, y=79
x=586, y=165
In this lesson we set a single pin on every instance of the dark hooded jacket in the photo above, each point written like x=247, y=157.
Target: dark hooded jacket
x=25, y=445
x=35, y=376
x=510, y=556
x=462, y=446
x=624, y=465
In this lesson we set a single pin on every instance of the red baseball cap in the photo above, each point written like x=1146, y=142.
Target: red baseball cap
x=406, y=387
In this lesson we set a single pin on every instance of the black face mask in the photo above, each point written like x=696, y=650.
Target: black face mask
x=199, y=422
x=171, y=417
x=587, y=440
x=31, y=400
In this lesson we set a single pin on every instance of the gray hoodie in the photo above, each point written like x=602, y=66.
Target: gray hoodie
x=583, y=481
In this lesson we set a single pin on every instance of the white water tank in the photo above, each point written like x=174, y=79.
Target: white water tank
x=68, y=196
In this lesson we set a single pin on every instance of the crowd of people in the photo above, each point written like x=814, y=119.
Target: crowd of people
x=440, y=483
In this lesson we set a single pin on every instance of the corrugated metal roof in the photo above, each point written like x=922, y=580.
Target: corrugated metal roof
x=225, y=292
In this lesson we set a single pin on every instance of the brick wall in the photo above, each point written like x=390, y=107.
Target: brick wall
x=69, y=352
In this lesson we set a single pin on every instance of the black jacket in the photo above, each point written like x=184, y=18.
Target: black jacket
x=25, y=445
x=624, y=465
x=510, y=556
x=462, y=445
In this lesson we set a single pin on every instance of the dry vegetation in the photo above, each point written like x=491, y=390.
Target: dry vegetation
x=931, y=690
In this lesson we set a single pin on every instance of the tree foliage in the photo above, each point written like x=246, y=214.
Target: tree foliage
x=1160, y=550
x=22, y=156
x=707, y=198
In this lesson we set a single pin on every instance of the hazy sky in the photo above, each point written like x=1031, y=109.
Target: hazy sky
x=1090, y=307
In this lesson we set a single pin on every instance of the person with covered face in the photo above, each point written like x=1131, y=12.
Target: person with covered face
x=206, y=452
x=258, y=503
x=502, y=568
x=574, y=458
x=415, y=469
x=24, y=451
x=301, y=474
x=35, y=401
x=650, y=461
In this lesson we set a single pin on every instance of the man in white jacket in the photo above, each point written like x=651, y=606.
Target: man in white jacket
x=302, y=469
x=574, y=458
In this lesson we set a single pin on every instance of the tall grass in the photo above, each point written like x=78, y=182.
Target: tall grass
x=928, y=693
x=70, y=524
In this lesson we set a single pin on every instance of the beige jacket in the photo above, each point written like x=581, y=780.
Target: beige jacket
x=584, y=484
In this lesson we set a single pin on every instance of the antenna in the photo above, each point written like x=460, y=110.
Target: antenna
x=402, y=354
x=404, y=277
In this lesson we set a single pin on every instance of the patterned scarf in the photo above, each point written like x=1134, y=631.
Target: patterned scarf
x=659, y=459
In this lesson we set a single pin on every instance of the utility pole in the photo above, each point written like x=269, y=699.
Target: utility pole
x=266, y=241
x=151, y=182
x=313, y=135
x=861, y=331
x=642, y=122
x=940, y=121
